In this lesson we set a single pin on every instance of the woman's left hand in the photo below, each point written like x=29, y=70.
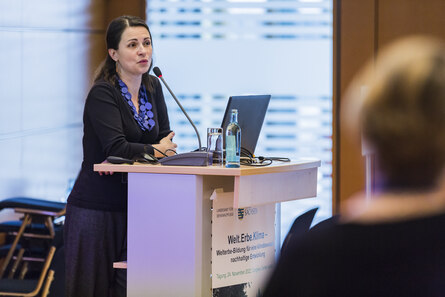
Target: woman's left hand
x=166, y=145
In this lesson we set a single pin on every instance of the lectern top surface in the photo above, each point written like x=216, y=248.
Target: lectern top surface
x=209, y=170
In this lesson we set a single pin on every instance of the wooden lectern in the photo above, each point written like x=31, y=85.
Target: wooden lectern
x=169, y=218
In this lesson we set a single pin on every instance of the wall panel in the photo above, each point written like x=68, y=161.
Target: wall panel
x=354, y=45
x=48, y=54
x=397, y=18
x=10, y=81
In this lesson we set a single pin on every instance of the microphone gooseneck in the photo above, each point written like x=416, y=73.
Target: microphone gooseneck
x=158, y=73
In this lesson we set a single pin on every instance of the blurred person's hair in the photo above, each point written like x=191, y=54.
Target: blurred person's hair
x=398, y=104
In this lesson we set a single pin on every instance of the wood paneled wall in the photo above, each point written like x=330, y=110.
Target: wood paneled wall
x=361, y=28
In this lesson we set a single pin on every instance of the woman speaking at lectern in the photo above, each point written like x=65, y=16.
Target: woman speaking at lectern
x=125, y=116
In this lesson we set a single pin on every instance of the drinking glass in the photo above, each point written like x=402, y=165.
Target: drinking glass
x=215, y=146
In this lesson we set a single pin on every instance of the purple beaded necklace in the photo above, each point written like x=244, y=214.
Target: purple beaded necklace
x=145, y=116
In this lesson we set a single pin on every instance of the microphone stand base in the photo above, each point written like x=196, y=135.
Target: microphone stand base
x=199, y=158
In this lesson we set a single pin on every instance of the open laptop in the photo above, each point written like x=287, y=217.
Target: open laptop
x=251, y=112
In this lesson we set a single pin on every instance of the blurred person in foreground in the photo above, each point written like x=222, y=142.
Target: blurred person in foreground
x=394, y=244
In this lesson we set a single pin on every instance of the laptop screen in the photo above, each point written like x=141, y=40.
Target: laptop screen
x=251, y=112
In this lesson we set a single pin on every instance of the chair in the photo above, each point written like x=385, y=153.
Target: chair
x=301, y=225
x=57, y=288
x=30, y=287
x=326, y=223
x=38, y=210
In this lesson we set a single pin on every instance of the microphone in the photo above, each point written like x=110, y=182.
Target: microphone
x=199, y=158
x=158, y=73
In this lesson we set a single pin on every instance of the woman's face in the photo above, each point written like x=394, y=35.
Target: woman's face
x=133, y=56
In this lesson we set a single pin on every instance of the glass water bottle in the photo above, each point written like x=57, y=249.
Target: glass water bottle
x=233, y=141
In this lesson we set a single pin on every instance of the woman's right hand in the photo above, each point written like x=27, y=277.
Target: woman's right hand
x=105, y=172
x=166, y=145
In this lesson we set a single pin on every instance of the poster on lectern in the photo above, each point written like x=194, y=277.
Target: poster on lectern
x=243, y=247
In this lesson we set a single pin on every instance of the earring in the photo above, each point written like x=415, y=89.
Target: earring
x=117, y=67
